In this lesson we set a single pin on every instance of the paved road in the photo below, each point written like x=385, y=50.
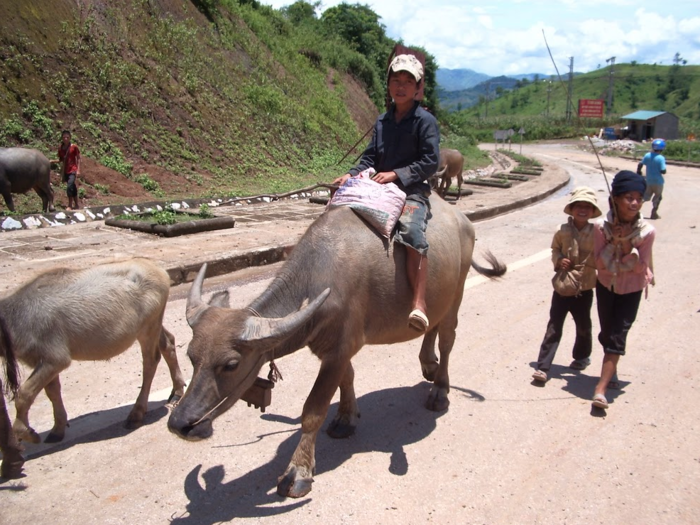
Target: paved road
x=506, y=451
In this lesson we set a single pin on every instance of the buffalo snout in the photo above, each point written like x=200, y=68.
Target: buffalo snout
x=189, y=430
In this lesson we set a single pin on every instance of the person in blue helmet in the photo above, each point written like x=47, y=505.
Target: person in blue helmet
x=656, y=169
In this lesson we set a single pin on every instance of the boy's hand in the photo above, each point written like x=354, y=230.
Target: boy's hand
x=341, y=180
x=565, y=264
x=621, y=231
x=385, y=176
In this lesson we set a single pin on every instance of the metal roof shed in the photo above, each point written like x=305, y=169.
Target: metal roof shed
x=645, y=125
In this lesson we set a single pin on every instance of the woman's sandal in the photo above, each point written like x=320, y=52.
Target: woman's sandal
x=599, y=401
x=418, y=320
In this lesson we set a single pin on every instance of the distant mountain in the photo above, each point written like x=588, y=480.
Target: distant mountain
x=466, y=98
x=461, y=88
x=458, y=79
x=531, y=76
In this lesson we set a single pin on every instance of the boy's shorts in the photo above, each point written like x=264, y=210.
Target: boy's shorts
x=413, y=222
x=72, y=189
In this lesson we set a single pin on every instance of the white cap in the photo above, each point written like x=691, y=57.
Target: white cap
x=408, y=63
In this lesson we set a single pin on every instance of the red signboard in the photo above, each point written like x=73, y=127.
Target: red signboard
x=591, y=107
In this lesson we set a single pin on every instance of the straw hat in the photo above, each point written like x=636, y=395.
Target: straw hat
x=583, y=194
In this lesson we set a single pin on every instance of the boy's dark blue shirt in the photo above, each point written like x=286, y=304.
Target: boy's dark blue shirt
x=411, y=148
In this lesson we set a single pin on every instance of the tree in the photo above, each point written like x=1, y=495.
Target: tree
x=430, y=98
x=300, y=12
x=359, y=26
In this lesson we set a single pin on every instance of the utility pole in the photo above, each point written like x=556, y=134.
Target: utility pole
x=611, y=61
x=569, y=95
x=488, y=96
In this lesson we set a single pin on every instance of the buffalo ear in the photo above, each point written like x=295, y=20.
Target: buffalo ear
x=264, y=333
x=220, y=299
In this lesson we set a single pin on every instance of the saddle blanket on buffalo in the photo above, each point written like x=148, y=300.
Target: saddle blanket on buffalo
x=379, y=204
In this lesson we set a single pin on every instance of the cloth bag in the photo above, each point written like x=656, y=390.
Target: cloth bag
x=567, y=283
x=380, y=205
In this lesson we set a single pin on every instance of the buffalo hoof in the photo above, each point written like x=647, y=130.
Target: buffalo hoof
x=29, y=435
x=133, y=424
x=54, y=437
x=340, y=430
x=12, y=469
x=429, y=370
x=437, y=402
x=173, y=400
x=289, y=486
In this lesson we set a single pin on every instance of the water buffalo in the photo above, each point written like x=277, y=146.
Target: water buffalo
x=343, y=287
x=12, y=460
x=451, y=165
x=24, y=169
x=90, y=314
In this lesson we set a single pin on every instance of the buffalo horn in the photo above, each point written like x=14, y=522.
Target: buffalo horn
x=260, y=329
x=195, y=305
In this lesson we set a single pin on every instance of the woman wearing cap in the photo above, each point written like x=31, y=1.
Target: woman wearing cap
x=405, y=150
x=572, y=247
x=623, y=254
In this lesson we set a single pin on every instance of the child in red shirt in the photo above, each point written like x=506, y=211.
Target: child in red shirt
x=69, y=156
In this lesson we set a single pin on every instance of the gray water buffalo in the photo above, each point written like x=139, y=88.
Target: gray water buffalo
x=343, y=286
x=12, y=460
x=91, y=314
x=23, y=169
x=451, y=165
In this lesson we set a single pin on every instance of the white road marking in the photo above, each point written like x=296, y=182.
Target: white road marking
x=477, y=279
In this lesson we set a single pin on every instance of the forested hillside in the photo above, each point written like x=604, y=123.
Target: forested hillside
x=634, y=86
x=192, y=97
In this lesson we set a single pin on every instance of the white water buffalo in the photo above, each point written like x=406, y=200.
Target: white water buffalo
x=342, y=287
x=23, y=169
x=12, y=460
x=91, y=314
x=451, y=165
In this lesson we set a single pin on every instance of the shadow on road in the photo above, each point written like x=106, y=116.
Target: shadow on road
x=581, y=384
x=110, y=425
x=391, y=419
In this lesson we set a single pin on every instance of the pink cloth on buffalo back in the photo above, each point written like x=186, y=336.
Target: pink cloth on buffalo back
x=379, y=204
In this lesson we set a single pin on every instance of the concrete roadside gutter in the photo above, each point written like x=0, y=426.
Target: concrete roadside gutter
x=186, y=273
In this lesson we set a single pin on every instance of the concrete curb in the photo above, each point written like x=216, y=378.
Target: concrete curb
x=488, y=213
x=229, y=263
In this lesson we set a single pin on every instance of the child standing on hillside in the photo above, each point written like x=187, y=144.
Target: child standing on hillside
x=623, y=255
x=572, y=249
x=69, y=157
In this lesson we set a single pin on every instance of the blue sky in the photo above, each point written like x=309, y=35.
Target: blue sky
x=506, y=36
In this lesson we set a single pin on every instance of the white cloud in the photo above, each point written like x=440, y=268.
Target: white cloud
x=505, y=36
x=690, y=29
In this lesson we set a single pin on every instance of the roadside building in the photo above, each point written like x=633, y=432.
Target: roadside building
x=644, y=125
